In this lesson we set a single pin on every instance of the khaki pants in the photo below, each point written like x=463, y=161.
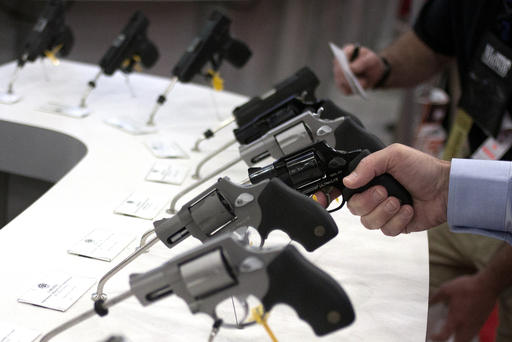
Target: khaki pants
x=453, y=255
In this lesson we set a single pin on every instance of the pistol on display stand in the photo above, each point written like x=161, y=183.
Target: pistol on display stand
x=319, y=166
x=49, y=37
x=301, y=84
x=130, y=48
x=226, y=207
x=225, y=267
x=213, y=45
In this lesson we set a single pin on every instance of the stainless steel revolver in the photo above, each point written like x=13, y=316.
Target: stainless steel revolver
x=225, y=267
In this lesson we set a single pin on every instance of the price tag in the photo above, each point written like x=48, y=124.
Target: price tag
x=167, y=172
x=57, y=291
x=102, y=244
x=141, y=205
x=165, y=148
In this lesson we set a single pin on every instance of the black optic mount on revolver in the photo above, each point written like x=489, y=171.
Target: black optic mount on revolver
x=131, y=46
x=301, y=84
x=50, y=35
x=225, y=267
x=266, y=206
x=213, y=44
x=319, y=166
x=284, y=112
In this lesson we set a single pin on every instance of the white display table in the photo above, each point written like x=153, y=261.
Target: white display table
x=386, y=278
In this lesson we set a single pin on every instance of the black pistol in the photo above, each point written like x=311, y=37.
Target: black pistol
x=50, y=35
x=213, y=44
x=131, y=46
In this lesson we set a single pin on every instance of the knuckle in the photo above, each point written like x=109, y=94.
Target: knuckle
x=389, y=232
x=352, y=207
x=369, y=223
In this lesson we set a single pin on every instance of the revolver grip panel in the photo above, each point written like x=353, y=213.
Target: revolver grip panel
x=316, y=297
x=351, y=136
x=304, y=220
x=393, y=187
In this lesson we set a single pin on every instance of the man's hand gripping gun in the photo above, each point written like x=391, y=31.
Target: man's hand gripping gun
x=213, y=45
x=319, y=166
x=226, y=207
x=226, y=267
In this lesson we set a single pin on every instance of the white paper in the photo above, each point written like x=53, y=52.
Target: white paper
x=130, y=125
x=102, y=244
x=10, y=333
x=165, y=148
x=169, y=172
x=9, y=98
x=141, y=205
x=351, y=78
x=71, y=111
x=57, y=291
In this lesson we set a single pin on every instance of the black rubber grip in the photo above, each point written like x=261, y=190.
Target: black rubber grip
x=316, y=297
x=393, y=187
x=350, y=136
x=303, y=219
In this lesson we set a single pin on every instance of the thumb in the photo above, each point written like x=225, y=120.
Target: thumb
x=368, y=168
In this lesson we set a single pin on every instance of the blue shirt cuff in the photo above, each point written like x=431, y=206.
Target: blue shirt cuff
x=478, y=198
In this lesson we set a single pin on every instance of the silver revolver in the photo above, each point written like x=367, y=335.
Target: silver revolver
x=225, y=267
x=226, y=206
x=345, y=133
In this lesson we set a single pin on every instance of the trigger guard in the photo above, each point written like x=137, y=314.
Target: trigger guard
x=241, y=324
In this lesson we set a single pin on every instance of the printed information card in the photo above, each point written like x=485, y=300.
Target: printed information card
x=165, y=148
x=16, y=334
x=102, y=244
x=57, y=291
x=130, y=125
x=139, y=204
x=164, y=171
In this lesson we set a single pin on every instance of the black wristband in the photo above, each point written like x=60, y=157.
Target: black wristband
x=385, y=74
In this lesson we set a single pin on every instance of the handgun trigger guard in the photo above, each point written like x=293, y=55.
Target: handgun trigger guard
x=338, y=208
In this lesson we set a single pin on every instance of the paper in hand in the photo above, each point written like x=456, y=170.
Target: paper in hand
x=349, y=75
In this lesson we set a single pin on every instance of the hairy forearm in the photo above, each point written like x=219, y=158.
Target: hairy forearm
x=498, y=273
x=412, y=61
